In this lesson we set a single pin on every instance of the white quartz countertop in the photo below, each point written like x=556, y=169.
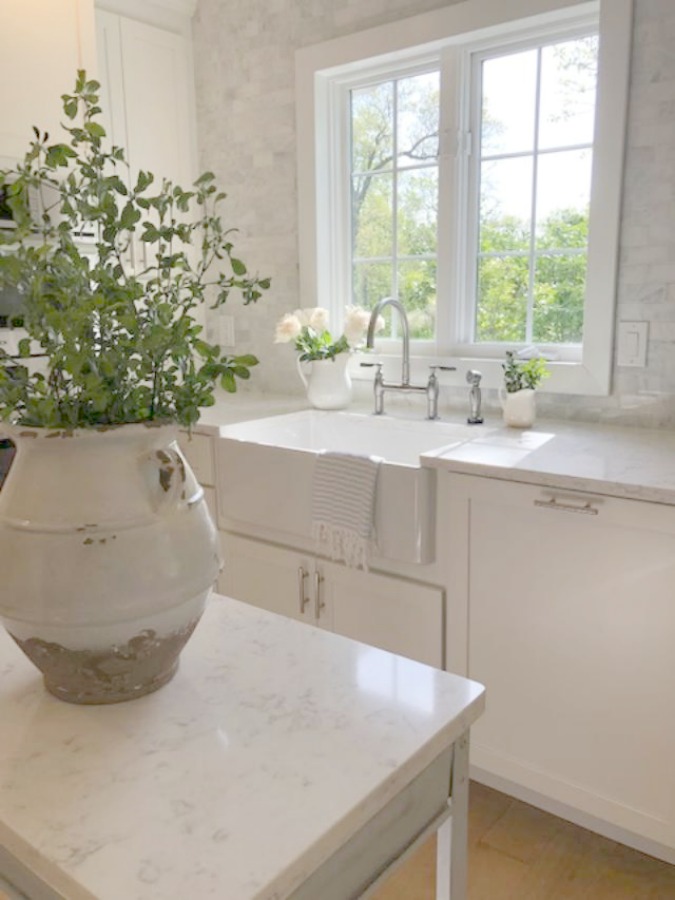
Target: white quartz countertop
x=633, y=463
x=630, y=462
x=271, y=746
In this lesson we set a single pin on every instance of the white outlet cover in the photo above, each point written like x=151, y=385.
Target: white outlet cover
x=632, y=344
x=226, y=331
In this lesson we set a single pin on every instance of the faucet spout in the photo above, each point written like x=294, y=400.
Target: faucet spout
x=405, y=333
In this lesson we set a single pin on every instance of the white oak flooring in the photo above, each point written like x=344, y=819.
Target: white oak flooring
x=517, y=852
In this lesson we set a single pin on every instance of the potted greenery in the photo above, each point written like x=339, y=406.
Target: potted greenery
x=521, y=377
x=108, y=550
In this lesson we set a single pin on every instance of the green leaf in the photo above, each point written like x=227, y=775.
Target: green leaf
x=246, y=360
x=95, y=129
x=228, y=383
x=129, y=216
x=70, y=107
x=238, y=266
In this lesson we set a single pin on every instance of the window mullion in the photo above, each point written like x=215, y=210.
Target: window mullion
x=533, y=209
x=448, y=277
x=394, y=207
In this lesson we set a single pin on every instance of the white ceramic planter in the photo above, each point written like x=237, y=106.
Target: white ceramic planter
x=108, y=556
x=327, y=381
x=519, y=408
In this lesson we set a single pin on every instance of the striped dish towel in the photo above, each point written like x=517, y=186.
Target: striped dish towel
x=343, y=506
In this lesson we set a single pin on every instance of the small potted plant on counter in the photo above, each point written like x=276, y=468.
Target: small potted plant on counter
x=108, y=550
x=521, y=377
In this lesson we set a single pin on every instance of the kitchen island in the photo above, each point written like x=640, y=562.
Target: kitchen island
x=282, y=761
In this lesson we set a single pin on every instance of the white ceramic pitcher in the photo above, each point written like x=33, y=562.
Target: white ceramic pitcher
x=327, y=382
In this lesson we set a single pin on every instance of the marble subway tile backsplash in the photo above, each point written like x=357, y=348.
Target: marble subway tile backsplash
x=244, y=62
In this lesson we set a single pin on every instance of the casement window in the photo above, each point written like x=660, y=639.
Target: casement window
x=476, y=177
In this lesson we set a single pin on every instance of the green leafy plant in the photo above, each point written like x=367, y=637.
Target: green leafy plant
x=520, y=374
x=122, y=342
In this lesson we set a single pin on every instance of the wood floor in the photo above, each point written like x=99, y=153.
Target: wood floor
x=517, y=852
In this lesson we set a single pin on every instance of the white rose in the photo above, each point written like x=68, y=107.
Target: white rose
x=318, y=319
x=288, y=328
x=356, y=323
x=302, y=315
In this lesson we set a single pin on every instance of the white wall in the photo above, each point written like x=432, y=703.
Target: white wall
x=244, y=59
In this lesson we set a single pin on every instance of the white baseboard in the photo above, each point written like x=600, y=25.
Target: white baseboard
x=570, y=814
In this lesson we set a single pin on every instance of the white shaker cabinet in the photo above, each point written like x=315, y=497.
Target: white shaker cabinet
x=148, y=96
x=44, y=43
x=147, y=100
x=571, y=608
x=400, y=616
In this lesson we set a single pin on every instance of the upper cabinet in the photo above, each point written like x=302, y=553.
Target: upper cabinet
x=140, y=52
x=147, y=95
x=44, y=43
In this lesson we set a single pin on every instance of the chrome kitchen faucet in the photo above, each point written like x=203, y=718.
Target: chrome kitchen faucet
x=380, y=386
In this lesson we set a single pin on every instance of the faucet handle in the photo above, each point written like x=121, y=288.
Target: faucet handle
x=434, y=369
x=378, y=369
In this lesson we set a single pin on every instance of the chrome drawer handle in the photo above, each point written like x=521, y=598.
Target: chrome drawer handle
x=586, y=509
x=302, y=575
x=318, y=602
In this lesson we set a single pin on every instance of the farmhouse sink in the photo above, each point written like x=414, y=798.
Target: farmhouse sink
x=266, y=468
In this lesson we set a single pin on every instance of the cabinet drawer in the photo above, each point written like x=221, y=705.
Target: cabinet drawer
x=198, y=450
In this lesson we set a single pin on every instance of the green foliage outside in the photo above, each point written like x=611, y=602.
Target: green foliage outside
x=559, y=280
x=375, y=156
x=122, y=345
x=402, y=260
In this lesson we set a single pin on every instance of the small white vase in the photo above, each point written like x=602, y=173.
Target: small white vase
x=519, y=408
x=327, y=381
x=108, y=556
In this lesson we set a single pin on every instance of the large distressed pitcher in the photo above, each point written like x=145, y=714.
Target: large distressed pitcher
x=108, y=556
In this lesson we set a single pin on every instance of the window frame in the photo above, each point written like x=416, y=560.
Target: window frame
x=449, y=37
x=472, y=56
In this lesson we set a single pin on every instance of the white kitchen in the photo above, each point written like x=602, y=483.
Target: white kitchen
x=537, y=560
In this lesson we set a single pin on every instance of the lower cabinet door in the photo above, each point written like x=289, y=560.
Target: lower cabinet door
x=396, y=615
x=272, y=578
x=391, y=613
x=572, y=630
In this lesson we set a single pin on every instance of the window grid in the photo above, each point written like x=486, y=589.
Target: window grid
x=396, y=258
x=536, y=154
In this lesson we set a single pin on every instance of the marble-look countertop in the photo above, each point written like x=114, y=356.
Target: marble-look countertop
x=273, y=744
x=633, y=463
x=620, y=461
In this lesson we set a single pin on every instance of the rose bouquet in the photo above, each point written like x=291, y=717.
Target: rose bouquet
x=308, y=330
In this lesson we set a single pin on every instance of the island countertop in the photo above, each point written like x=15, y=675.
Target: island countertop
x=274, y=742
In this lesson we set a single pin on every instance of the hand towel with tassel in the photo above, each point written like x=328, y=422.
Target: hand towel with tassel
x=343, y=506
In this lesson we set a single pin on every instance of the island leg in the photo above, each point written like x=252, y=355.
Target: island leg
x=451, y=838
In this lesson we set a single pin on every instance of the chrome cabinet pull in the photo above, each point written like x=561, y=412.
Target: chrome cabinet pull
x=553, y=503
x=318, y=601
x=302, y=575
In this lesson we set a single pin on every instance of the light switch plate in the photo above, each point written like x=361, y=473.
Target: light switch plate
x=226, y=331
x=632, y=344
